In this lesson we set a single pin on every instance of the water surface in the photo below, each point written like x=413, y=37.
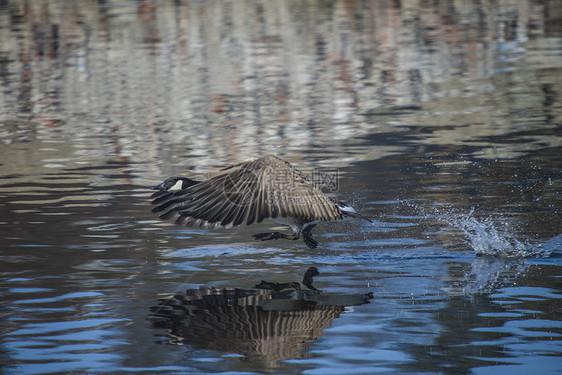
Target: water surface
x=443, y=122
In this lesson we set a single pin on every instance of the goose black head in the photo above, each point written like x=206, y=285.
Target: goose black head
x=350, y=212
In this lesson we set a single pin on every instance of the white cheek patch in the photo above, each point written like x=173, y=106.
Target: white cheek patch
x=347, y=209
x=177, y=185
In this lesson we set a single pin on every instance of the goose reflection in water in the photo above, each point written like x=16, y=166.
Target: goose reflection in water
x=268, y=323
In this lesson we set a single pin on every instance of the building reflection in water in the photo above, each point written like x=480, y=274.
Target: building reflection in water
x=225, y=81
x=265, y=324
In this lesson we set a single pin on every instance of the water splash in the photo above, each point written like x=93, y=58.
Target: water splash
x=493, y=237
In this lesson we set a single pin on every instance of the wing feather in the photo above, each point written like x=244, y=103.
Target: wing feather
x=247, y=192
x=244, y=194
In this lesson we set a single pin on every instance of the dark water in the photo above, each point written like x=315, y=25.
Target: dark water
x=443, y=120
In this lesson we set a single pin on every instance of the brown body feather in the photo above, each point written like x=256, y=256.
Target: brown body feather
x=248, y=192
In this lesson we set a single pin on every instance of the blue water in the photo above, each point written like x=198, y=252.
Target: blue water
x=441, y=121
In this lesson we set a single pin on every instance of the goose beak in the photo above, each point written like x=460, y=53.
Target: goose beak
x=364, y=218
x=357, y=215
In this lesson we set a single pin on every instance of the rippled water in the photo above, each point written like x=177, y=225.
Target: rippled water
x=443, y=122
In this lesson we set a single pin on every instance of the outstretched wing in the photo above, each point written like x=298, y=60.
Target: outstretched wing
x=264, y=188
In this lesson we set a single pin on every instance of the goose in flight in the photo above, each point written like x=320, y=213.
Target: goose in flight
x=251, y=191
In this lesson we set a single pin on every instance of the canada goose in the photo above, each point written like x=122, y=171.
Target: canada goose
x=248, y=192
